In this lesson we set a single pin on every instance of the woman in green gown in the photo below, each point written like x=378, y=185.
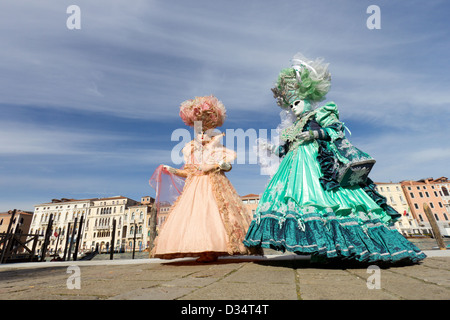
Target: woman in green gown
x=320, y=201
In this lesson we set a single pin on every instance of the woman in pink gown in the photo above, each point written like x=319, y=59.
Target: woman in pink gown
x=208, y=219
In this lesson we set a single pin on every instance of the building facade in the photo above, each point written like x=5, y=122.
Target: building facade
x=163, y=213
x=443, y=187
x=98, y=215
x=395, y=197
x=251, y=202
x=20, y=224
x=431, y=192
x=63, y=212
x=137, y=228
x=99, y=223
x=21, y=221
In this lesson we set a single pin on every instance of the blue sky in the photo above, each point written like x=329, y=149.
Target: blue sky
x=90, y=112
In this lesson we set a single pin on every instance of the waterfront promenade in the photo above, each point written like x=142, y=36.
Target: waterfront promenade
x=272, y=277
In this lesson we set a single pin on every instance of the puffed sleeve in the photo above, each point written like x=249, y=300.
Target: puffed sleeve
x=223, y=157
x=328, y=118
x=219, y=154
x=187, y=152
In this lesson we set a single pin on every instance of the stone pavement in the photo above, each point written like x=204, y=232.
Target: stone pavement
x=271, y=277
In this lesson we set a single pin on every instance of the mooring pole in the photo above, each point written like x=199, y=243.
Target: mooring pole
x=434, y=227
x=35, y=241
x=111, y=252
x=134, y=239
x=48, y=233
x=80, y=225
x=67, y=241
x=71, y=238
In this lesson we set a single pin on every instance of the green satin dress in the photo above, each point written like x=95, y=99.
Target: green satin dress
x=303, y=212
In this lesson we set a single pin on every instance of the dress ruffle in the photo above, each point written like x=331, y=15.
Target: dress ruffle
x=322, y=233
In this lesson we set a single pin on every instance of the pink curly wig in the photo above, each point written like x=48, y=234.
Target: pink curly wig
x=209, y=110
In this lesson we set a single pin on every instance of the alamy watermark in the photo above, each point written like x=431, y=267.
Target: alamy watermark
x=374, y=280
x=374, y=20
x=73, y=22
x=74, y=280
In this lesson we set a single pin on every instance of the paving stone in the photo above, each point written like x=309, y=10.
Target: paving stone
x=281, y=277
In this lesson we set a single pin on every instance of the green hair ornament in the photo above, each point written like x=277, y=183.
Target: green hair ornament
x=305, y=80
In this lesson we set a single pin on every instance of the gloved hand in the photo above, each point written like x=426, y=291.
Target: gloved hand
x=169, y=168
x=224, y=166
x=311, y=135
